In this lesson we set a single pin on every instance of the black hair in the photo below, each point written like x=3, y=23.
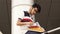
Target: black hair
x=35, y=5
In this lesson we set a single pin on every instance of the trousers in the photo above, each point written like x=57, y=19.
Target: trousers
x=33, y=32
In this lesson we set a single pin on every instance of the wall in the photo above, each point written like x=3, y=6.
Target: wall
x=5, y=16
x=49, y=17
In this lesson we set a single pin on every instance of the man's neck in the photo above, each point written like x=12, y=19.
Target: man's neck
x=30, y=13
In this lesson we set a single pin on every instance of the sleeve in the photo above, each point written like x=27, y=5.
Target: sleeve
x=20, y=14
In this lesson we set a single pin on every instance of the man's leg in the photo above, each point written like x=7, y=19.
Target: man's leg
x=32, y=32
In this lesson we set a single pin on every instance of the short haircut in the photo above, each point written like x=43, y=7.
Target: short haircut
x=35, y=5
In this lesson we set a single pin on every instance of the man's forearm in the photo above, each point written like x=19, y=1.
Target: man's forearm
x=24, y=23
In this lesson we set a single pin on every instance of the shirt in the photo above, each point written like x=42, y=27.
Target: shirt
x=17, y=12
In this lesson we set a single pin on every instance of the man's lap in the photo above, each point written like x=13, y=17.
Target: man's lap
x=32, y=32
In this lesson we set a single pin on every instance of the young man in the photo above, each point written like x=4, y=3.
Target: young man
x=35, y=8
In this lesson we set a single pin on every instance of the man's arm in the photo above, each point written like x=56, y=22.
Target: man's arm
x=19, y=23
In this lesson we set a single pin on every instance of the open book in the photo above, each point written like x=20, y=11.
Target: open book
x=36, y=27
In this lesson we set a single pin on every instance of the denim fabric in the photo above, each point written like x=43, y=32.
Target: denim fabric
x=32, y=32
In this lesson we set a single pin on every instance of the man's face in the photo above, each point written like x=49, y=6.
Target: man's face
x=33, y=11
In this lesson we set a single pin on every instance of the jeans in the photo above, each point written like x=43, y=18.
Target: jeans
x=32, y=32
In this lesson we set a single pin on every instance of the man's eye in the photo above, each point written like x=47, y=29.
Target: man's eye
x=34, y=10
